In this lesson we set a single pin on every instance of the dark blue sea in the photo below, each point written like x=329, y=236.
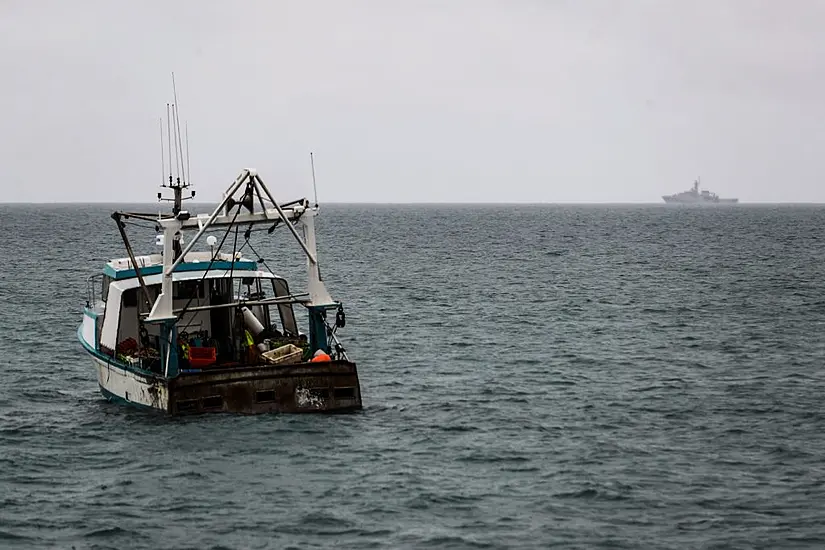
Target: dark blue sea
x=533, y=377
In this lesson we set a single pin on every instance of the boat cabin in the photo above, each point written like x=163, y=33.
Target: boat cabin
x=230, y=313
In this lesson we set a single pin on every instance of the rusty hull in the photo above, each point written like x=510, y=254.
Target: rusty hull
x=305, y=387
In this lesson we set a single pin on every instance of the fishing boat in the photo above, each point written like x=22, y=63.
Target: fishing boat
x=194, y=331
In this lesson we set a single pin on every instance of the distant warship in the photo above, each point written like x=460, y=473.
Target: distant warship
x=694, y=196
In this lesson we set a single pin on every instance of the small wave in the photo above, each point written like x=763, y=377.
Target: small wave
x=651, y=388
x=597, y=493
x=109, y=532
x=786, y=452
x=449, y=541
x=584, y=493
x=559, y=382
x=321, y=523
x=516, y=469
x=324, y=519
x=43, y=396
x=118, y=483
x=191, y=474
x=459, y=428
x=6, y=535
x=528, y=361
x=487, y=459
x=428, y=500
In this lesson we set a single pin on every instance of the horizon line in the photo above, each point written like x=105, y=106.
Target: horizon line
x=433, y=203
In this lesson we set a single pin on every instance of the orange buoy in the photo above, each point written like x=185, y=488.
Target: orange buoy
x=320, y=356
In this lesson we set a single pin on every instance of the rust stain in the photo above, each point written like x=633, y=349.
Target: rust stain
x=154, y=392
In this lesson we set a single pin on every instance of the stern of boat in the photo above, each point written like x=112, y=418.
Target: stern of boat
x=305, y=387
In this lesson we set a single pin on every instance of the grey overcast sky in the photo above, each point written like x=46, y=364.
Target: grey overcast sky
x=417, y=101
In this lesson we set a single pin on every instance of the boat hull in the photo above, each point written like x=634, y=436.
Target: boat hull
x=330, y=386
x=672, y=200
x=306, y=387
x=126, y=386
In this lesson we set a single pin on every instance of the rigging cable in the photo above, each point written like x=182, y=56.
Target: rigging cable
x=261, y=259
x=208, y=267
x=232, y=265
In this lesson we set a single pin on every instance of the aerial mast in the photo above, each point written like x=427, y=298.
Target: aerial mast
x=173, y=130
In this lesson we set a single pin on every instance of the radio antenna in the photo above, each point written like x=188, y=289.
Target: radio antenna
x=169, y=142
x=174, y=138
x=162, y=160
x=177, y=125
x=188, y=172
x=175, y=141
x=314, y=187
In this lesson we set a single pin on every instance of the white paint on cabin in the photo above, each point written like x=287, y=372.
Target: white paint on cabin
x=90, y=331
x=108, y=335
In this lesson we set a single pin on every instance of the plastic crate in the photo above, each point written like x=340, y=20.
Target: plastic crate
x=284, y=355
x=202, y=357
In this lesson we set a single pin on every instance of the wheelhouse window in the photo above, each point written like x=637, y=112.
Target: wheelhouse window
x=130, y=297
x=185, y=290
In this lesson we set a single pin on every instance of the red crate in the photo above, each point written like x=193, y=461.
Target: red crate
x=202, y=357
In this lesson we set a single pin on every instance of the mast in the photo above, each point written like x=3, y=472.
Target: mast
x=177, y=186
x=173, y=135
x=314, y=187
x=178, y=200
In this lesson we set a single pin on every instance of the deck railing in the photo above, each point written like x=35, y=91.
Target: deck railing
x=94, y=290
